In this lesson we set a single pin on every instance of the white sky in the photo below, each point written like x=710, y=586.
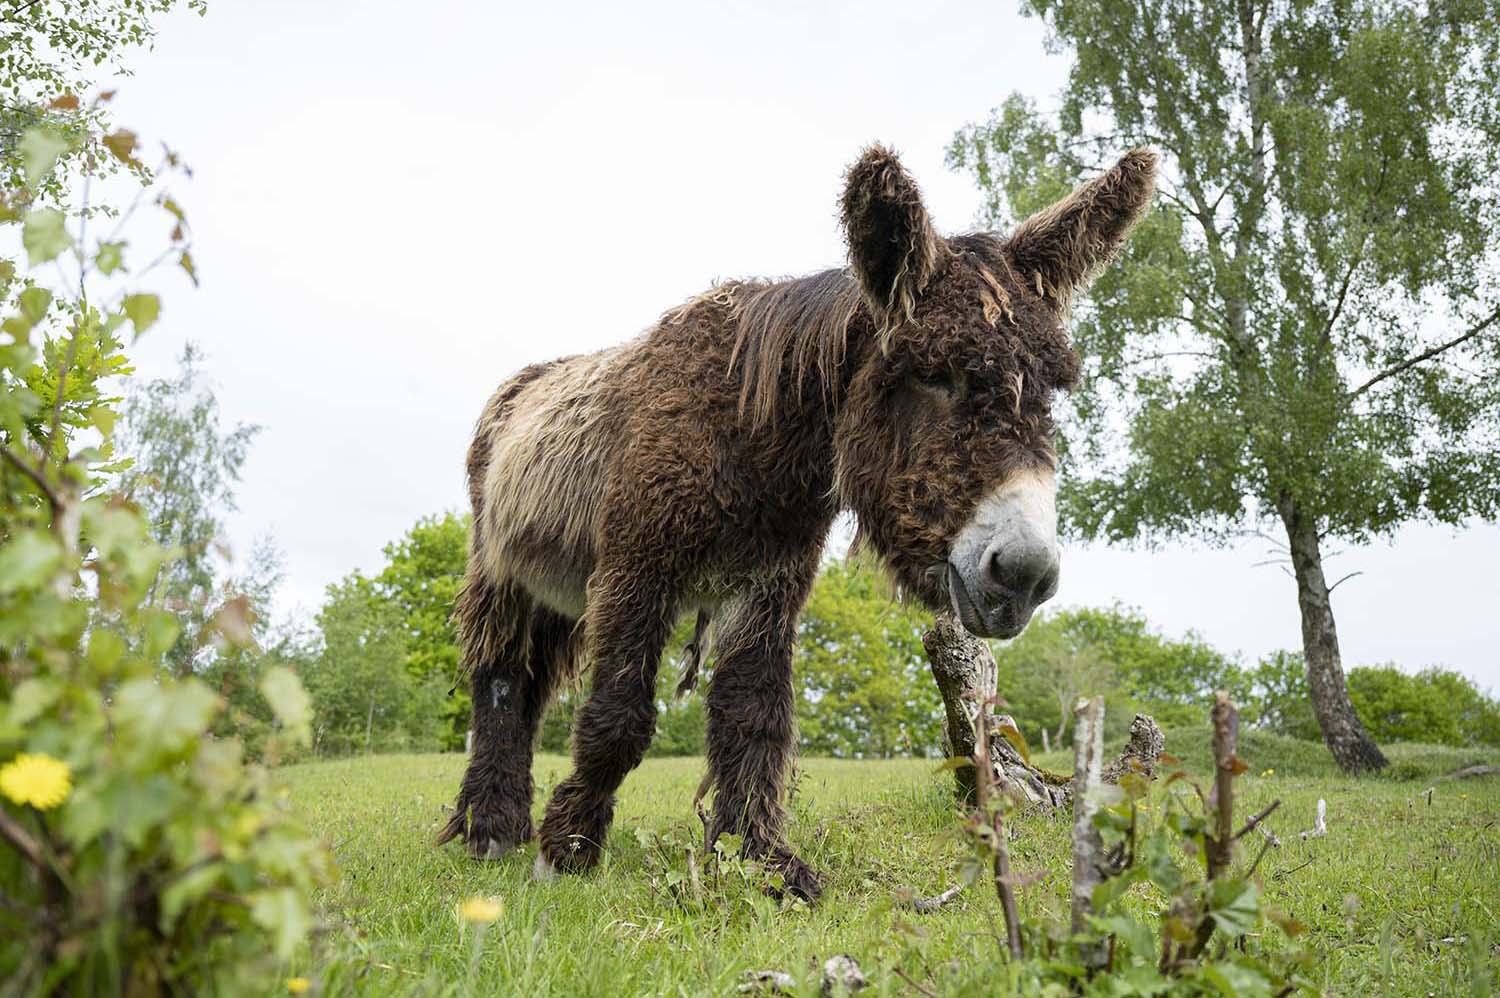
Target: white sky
x=397, y=205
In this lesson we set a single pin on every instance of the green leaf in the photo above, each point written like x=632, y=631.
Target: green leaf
x=102, y=418
x=1234, y=905
x=32, y=697
x=40, y=148
x=162, y=629
x=1017, y=740
x=169, y=715
x=110, y=258
x=284, y=914
x=289, y=700
x=44, y=233
x=34, y=303
x=142, y=310
x=187, y=889
x=28, y=560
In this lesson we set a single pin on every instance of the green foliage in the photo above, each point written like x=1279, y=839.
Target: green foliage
x=1436, y=705
x=182, y=472
x=138, y=854
x=1204, y=929
x=1281, y=699
x=1111, y=652
x=365, y=697
x=863, y=685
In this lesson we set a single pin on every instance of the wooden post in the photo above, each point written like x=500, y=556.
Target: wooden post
x=1088, y=849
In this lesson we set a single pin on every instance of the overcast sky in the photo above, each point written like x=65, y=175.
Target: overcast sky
x=397, y=205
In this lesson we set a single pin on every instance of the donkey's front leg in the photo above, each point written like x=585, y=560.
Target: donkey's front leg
x=751, y=730
x=628, y=624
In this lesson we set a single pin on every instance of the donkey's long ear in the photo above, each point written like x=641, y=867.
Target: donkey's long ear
x=892, y=246
x=1061, y=248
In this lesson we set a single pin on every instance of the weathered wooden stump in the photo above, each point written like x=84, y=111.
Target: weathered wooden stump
x=966, y=675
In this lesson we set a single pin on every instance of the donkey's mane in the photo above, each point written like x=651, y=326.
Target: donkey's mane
x=788, y=329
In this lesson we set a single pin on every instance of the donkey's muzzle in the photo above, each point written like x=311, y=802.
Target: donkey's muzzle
x=1005, y=563
x=1006, y=591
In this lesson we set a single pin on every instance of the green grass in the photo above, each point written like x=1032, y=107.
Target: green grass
x=1400, y=898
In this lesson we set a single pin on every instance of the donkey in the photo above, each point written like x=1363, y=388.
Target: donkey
x=701, y=465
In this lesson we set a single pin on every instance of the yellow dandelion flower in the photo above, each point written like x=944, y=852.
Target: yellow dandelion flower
x=298, y=985
x=480, y=911
x=38, y=780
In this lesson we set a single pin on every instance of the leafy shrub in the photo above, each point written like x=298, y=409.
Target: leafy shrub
x=140, y=855
x=1435, y=706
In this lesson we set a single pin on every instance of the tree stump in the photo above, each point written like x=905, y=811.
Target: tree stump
x=967, y=677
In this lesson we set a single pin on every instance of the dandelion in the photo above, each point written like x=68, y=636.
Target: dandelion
x=36, y=779
x=298, y=985
x=480, y=911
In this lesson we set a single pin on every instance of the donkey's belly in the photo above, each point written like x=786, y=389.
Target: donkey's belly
x=544, y=485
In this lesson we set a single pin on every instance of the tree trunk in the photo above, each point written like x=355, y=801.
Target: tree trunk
x=1345, y=736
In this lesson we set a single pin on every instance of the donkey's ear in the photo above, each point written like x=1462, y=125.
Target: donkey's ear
x=892, y=246
x=1061, y=248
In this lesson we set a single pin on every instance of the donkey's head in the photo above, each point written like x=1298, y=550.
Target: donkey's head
x=945, y=440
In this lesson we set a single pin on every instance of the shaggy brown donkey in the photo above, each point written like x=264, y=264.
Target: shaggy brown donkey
x=700, y=465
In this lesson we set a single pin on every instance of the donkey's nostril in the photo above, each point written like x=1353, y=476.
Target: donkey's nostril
x=994, y=569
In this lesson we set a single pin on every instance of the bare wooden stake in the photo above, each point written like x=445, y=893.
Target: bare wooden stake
x=1219, y=847
x=1088, y=849
x=1226, y=722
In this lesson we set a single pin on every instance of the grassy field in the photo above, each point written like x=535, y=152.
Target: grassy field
x=1401, y=897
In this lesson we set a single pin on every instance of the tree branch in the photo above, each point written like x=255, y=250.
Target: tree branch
x=31, y=473
x=1428, y=354
x=1344, y=580
x=12, y=832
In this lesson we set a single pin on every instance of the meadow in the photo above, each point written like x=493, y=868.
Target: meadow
x=1400, y=897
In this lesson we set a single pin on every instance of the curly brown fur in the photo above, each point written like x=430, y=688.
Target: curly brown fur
x=700, y=466
x=1067, y=244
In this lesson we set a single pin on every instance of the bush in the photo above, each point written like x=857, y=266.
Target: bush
x=1435, y=706
x=140, y=855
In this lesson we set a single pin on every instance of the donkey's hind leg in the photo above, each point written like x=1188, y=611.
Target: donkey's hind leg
x=517, y=654
x=751, y=731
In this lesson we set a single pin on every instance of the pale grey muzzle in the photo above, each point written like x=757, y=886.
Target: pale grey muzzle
x=1004, y=562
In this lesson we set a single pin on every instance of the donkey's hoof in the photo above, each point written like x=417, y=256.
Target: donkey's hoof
x=797, y=879
x=542, y=871
x=490, y=850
